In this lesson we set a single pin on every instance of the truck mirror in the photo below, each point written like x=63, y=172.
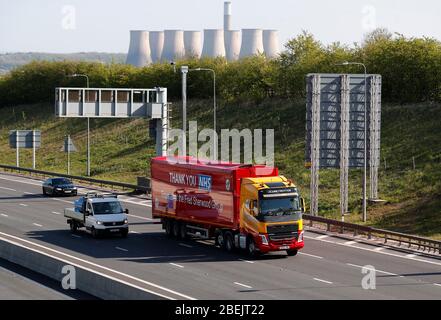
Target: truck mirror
x=302, y=202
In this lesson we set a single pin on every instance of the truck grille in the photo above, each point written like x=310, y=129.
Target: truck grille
x=286, y=232
x=113, y=224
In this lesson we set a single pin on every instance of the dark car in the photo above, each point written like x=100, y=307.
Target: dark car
x=59, y=186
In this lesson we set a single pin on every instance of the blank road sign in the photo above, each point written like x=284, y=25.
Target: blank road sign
x=25, y=139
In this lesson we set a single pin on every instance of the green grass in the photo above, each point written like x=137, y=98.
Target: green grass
x=121, y=150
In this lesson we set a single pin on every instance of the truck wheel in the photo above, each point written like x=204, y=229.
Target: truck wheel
x=291, y=253
x=176, y=229
x=251, y=248
x=73, y=227
x=229, y=242
x=168, y=227
x=219, y=239
x=183, y=231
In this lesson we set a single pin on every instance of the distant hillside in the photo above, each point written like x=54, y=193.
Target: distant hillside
x=8, y=61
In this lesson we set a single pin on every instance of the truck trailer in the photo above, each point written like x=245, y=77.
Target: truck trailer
x=248, y=207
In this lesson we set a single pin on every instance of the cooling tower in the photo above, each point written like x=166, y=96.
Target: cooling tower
x=271, y=43
x=252, y=42
x=193, y=44
x=214, y=45
x=174, y=48
x=227, y=15
x=156, y=45
x=139, y=49
x=232, y=44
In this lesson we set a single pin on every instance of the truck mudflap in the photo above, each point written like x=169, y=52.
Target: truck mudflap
x=265, y=244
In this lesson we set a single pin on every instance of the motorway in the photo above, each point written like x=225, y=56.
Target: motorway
x=328, y=267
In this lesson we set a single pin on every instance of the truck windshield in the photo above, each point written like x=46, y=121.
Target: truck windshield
x=279, y=206
x=112, y=207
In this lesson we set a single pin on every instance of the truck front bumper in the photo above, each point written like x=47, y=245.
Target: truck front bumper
x=281, y=245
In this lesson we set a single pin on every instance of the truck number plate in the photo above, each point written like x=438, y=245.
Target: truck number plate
x=284, y=248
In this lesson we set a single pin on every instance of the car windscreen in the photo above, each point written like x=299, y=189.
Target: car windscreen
x=61, y=181
x=112, y=207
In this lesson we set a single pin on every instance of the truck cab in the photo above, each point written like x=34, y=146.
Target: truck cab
x=271, y=215
x=99, y=214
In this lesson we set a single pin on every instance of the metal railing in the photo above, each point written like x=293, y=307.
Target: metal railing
x=102, y=183
x=389, y=237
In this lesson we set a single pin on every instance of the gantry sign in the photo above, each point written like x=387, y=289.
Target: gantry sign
x=117, y=103
x=335, y=122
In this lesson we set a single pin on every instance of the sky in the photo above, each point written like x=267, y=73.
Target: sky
x=63, y=26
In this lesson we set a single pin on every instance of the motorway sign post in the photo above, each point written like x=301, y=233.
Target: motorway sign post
x=68, y=148
x=336, y=126
x=27, y=139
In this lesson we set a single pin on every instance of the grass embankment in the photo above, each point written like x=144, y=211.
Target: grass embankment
x=121, y=150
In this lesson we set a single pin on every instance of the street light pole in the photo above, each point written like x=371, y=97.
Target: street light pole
x=214, y=107
x=346, y=63
x=88, y=123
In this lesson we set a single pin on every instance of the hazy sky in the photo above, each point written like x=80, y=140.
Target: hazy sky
x=103, y=25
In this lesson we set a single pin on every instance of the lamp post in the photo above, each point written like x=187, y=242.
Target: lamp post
x=76, y=75
x=347, y=63
x=214, y=106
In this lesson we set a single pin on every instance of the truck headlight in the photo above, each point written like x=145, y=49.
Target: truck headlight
x=264, y=239
x=126, y=221
x=99, y=223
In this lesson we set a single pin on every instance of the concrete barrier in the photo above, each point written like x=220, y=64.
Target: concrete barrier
x=87, y=280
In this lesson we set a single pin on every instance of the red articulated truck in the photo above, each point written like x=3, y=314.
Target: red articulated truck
x=241, y=206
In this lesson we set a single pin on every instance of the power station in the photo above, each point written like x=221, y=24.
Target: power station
x=169, y=45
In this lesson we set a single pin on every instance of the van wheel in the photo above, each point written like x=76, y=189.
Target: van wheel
x=291, y=253
x=176, y=229
x=95, y=233
x=229, y=242
x=219, y=239
x=168, y=227
x=73, y=227
x=183, y=231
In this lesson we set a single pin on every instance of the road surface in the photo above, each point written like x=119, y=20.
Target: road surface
x=328, y=267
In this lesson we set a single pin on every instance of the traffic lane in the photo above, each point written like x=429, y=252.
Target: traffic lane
x=18, y=283
x=33, y=188
x=393, y=264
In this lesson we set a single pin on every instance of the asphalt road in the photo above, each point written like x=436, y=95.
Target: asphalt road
x=328, y=267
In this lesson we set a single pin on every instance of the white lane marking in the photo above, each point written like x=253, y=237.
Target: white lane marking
x=322, y=237
x=142, y=218
x=310, y=255
x=380, y=271
x=21, y=181
x=37, y=225
x=61, y=200
x=247, y=261
x=185, y=245
x=243, y=285
x=121, y=249
x=324, y=281
x=410, y=255
x=348, y=243
x=95, y=265
x=176, y=265
x=23, y=205
x=4, y=215
x=57, y=213
x=29, y=193
x=379, y=251
x=134, y=232
x=75, y=236
x=10, y=189
x=437, y=284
